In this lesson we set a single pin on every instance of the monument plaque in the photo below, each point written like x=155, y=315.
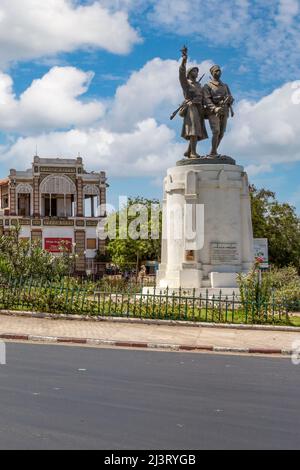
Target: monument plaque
x=224, y=253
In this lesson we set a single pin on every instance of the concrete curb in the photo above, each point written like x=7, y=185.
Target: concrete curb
x=141, y=321
x=141, y=345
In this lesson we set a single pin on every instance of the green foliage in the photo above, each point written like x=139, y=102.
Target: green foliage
x=280, y=224
x=277, y=286
x=284, y=277
x=255, y=292
x=24, y=259
x=102, y=257
x=127, y=252
x=286, y=286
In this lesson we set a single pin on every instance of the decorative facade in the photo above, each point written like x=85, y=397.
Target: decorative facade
x=56, y=201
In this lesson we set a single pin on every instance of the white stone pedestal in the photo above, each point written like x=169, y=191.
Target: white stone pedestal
x=207, y=226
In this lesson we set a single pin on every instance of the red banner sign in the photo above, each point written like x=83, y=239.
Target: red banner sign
x=54, y=245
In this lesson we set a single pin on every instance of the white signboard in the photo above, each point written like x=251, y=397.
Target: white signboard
x=261, y=251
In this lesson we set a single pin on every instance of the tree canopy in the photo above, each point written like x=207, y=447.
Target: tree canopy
x=137, y=233
x=280, y=224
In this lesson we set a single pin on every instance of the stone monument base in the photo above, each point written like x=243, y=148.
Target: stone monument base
x=207, y=159
x=207, y=226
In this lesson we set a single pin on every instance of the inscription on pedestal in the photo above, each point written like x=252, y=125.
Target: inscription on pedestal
x=224, y=253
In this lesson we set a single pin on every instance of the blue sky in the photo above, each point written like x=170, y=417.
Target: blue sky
x=100, y=78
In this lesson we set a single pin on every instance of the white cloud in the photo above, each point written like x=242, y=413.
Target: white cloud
x=266, y=132
x=148, y=150
x=288, y=10
x=128, y=139
x=266, y=31
x=254, y=170
x=214, y=20
x=154, y=90
x=34, y=28
x=49, y=103
x=54, y=101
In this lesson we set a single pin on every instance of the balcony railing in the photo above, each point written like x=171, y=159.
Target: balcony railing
x=10, y=220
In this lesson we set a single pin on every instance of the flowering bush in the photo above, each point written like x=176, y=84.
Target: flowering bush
x=280, y=286
x=286, y=286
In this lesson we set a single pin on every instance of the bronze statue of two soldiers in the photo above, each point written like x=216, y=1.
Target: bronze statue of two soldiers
x=213, y=102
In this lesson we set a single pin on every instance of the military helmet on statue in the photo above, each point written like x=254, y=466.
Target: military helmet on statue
x=214, y=68
x=190, y=70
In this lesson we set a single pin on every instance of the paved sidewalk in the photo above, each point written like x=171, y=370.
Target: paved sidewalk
x=148, y=335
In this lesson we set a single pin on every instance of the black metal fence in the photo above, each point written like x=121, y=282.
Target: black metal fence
x=92, y=300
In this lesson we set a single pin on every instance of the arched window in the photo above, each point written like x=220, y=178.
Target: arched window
x=24, y=199
x=91, y=196
x=24, y=188
x=58, y=196
x=57, y=185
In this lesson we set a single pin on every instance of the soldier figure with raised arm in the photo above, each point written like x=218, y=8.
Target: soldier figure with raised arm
x=192, y=110
x=218, y=102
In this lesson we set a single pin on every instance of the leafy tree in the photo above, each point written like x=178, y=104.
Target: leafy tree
x=280, y=224
x=21, y=258
x=126, y=250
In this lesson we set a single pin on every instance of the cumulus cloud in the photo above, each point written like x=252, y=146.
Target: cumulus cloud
x=148, y=150
x=50, y=102
x=124, y=139
x=267, y=31
x=266, y=131
x=151, y=91
x=33, y=28
x=214, y=20
x=128, y=138
x=54, y=101
x=264, y=33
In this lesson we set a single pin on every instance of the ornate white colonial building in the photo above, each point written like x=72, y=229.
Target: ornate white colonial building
x=56, y=200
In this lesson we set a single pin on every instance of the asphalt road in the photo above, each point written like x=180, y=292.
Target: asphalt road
x=57, y=397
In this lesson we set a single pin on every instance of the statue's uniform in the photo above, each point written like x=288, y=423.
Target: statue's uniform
x=214, y=93
x=193, y=112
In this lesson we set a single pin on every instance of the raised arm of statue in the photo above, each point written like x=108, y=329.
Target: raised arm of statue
x=182, y=72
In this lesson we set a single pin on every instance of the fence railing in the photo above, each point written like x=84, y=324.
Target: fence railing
x=87, y=299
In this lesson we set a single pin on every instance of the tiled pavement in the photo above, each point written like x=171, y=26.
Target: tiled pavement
x=193, y=336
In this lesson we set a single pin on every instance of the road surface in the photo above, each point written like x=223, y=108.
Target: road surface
x=63, y=397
